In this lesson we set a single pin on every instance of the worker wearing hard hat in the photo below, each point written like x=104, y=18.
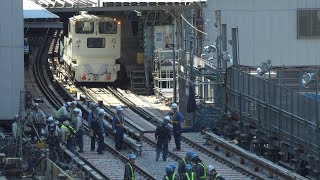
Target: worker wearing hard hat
x=62, y=113
x=53, y=134
x=118, y=127
x=96, y=123
x=163, y=136
x=128, y=169
x=177, y=119
x=27, y=52
x=68, y=134
x=79, y=129
x=36, y=120
x=212, y=174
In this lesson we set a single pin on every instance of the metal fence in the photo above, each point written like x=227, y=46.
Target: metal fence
x=275, y=110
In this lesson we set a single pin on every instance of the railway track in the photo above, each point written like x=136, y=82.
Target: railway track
x=100, y=163
x=90, y=159
x=251, y=170
x=149, y=141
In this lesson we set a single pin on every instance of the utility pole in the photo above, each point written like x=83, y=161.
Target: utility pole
x=174, y=60
x=217, y=15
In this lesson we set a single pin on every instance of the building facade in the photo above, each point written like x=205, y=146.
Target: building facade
x=286, y=32
x=11, y=57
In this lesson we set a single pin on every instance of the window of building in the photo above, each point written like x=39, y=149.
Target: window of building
x=308, y=23
x=108, y=27
x=96, y=42
x=84, y=27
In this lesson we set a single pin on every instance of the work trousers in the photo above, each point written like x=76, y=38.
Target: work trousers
x=98, y=133
x=162, y=144
x=119, y=137
x=79, y=139
x=177, y=136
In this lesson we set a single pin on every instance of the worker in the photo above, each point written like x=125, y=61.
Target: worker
x=212, y=174
x=16, y=132
x=95, y=123
x=62, y=113
x=170, y=174
x=173, y=166
x=118, y=127
x=53, y=134
x=189, y=174
x=128, y=170
x=177, y=119
x=186, y=160
x=163, y=137
x=73, y=106
x=199, y=169
x=79, y=129
x=92, y=116
x=27, y=52
x=67, y=135
x=37, y=121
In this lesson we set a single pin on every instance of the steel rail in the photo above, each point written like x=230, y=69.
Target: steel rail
x=43, y=85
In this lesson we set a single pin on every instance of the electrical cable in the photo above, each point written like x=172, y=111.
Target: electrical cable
x=191, y=24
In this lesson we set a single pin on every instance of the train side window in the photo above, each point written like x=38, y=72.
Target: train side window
x=108, y=27
x=84, y=27
x=96, y=43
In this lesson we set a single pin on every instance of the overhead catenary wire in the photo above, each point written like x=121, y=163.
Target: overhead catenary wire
x=191, y=24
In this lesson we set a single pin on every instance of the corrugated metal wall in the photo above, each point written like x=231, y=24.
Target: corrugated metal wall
x=267, y=30
x=11, y=57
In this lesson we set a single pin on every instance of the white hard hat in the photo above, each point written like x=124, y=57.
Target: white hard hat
x=167, y=118
x=118, y=108
x=76, y=110
x=74, y=103
x=174, y=106
x=50, y=119
x=68, y=103
x=36, y=105
x=210, y=168
x=101, y=111
x=66, y=123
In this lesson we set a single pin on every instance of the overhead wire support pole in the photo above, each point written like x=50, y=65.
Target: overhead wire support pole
x=174, y=61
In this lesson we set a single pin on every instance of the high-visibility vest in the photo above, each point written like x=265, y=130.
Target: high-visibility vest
x=192, y=176
x=67, y=130
x=172, y=177
x=204, y=176
x=119, y=121
x=218, y=175
x=132, y=173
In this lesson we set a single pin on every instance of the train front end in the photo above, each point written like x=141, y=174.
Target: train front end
x=94, y=45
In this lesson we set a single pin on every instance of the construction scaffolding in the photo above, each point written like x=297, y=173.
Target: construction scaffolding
x=163, y=72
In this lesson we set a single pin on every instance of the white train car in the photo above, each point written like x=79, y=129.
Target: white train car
x=92, y=47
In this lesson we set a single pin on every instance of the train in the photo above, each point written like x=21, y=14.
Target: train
x=91, y=48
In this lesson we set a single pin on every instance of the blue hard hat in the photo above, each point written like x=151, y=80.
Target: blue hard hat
x=190, y=153
x=188, y=167
x=194, y=155
x=132, y=156
x=172, y=165
x=169, y=168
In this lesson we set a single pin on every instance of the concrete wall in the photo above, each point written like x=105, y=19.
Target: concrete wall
x=11, y=57
x=267, y=30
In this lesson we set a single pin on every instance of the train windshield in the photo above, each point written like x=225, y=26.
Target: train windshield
x=96, y=42
x=84, y=27
x=108, y=27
